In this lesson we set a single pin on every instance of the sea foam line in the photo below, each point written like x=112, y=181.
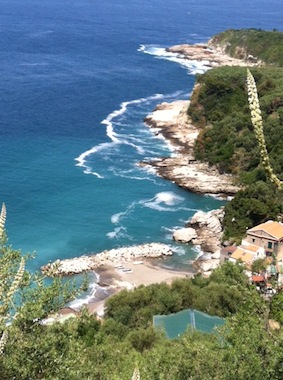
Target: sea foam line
x=113, y=136
x=193, y=66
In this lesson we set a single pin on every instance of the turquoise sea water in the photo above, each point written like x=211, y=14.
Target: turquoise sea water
x=77, y=80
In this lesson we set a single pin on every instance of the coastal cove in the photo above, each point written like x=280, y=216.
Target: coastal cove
x=77, y=83
x=141, y=227
x=172, y=122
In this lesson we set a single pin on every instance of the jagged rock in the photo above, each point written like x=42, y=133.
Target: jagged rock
x=204, y=257
x=211, y=220
x=215, y=255
x=185, y=235
x=207, y=227
x=207, y=265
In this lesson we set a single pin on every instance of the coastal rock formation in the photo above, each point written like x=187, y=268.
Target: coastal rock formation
x=114, y=256
x=214, y=56
x=209, y=230
x=171, y=121
x=204, y=229
x=208, y=226
x=185, y=235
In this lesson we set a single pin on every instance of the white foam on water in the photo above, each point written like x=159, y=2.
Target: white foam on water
x=115, y=218
x=192, y=66
x=90, y=296
x=118, y=232
x=115, y=138
x=197, y=249
x=179, y=250
x=168, y=198
x=132, y=174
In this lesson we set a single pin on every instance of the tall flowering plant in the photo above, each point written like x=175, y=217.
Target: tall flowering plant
x=136, y=374
x=258, y=128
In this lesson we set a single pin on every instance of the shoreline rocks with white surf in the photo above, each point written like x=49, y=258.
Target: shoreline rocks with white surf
x=171, y=121
x=211, y=55
x=204, y=229
x=114, y=256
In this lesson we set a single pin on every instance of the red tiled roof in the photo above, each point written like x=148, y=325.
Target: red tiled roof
x=257, y=278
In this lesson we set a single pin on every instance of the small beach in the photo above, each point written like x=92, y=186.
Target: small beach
x=130, y=275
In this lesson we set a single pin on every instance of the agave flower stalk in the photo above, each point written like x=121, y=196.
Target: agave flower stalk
x=3, y=341
x=136, y=374
x=258, y=128
x=2, y=219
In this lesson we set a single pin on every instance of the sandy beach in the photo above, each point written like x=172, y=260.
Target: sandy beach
x=130, y=275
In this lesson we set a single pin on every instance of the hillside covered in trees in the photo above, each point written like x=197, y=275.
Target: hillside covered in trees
x=267, y=46
x=219, y=107
x=86, y=348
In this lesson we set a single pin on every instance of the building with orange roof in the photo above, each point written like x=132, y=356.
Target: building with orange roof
x=268, y=235
x=247, y=253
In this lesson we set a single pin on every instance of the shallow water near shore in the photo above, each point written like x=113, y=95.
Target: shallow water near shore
x=77, y=80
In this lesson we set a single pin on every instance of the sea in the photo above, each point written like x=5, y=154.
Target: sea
x=78, y=78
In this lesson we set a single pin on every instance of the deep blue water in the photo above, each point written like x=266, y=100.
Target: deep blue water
x=77, y=80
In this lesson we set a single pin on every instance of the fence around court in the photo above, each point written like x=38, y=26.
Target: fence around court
x=176, y=324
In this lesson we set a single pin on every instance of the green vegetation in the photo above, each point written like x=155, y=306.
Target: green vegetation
x=264, y=45
x=124, y=345
x=85, y=348
x=220, y=108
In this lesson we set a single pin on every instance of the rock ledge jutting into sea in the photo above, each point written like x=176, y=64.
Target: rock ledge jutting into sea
x=114, y=256
x=172, y=122
x=213, y=56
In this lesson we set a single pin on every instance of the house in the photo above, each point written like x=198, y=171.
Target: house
x=247, y=253
x=268, y=235
x=226, y=253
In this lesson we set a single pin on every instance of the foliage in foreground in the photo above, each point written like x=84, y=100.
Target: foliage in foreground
x=86, y=348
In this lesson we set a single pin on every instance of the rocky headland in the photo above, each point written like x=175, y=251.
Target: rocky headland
x=212, y=55
x=172, y=122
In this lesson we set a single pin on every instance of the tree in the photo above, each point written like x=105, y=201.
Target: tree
x=25, y=297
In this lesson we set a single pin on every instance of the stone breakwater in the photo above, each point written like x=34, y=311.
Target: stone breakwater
x=112, y=257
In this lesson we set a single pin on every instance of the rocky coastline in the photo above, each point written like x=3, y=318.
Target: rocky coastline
x=212, y=55
x=172, y=122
